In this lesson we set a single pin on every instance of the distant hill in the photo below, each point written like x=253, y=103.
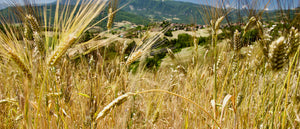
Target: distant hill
x=144, y=11
x=175, y=11
x=120, y=16
x=3, y=6
x=185, y=12
x=158, y=10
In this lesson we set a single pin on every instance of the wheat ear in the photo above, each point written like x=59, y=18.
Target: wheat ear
x=171, y=54
x=239, y=99
x=144, y=47
x=118, y=101
x=237, y=47
x=110, y=18
x=215, y=29
x=26, y=30
x=121, y=99
x=277, y=54
x=293, y=41
x=61, y=49
x=5, y=101
x=249, y=25
x=20, y=63
x=237, y=41
x=36, y=34
x=155, y=116
x=260, y=28
x=33, y=22
x=218, y=22
x=135, y=55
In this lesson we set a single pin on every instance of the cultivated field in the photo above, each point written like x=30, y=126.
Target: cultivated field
x=49, y=79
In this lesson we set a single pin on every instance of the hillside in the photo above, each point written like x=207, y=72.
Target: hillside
x=175, y=11
x=185, y=12
x=120, y=16
x=143, y=12
x=2, y=6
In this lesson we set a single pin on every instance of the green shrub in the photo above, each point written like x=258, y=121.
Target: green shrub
x=250, y=37
x=169, y=33
x=184, y=40
x=86, y=36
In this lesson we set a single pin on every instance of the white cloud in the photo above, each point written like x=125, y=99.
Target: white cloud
x=227, y=6
x=244, y=6
x=267, y=9
x=230, y=6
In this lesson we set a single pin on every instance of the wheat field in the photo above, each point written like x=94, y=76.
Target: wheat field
x=225, y=84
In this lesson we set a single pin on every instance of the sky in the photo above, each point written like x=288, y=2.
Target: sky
x=260, y=4
x=35, y=1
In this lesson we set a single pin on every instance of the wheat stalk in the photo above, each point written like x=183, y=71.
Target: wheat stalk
x=265, y=41
x=121, y=99
x=12, y=51
x=215, y=28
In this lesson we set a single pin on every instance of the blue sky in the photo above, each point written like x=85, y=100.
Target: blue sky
x=228, y=3
x=36, y=1
x=259, y=3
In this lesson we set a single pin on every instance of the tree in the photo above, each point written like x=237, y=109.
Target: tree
x=169, y=33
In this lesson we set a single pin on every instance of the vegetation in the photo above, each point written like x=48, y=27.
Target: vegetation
x=225, y=84
x=184, y=12
x=120, y=16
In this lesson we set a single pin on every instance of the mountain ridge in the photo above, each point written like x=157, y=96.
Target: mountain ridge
x=174, y=11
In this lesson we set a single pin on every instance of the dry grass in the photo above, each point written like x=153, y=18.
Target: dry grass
x=200, y=33
x=91, y=93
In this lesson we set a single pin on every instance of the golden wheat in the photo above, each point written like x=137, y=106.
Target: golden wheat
x=144, y=47
x=61, y=49
x=171, y=54
x=249, y=25
x=116, y=102
x=32, y=22
x=20, y=63
x=277, y=54
x=73, y=26
x=110, y=18
x=293, y=41
x=239, y=99
x=218, y=22
x=237, y=41
x=155, y=116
